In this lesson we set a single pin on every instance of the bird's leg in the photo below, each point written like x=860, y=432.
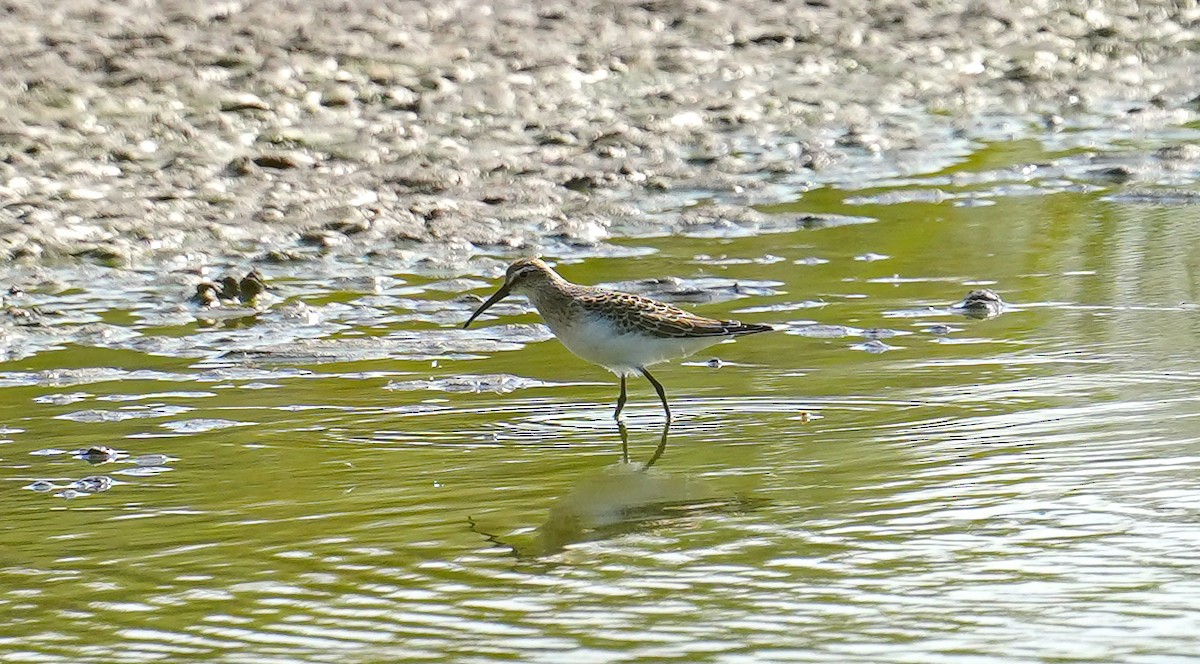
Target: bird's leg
x=620, y=400
x=624, y=441
x=658, y=388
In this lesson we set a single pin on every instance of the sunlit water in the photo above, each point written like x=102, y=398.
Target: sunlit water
x=356, y=479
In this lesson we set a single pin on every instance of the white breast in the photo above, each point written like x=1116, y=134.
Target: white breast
x=597, y=340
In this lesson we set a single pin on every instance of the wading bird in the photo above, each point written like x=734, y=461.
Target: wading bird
x=621, y=332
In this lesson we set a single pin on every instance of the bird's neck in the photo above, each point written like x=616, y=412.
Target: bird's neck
x=552, y=298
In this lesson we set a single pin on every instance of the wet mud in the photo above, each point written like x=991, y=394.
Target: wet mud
x=255, y=134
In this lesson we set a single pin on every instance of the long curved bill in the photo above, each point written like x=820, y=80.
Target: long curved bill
x=499, y=295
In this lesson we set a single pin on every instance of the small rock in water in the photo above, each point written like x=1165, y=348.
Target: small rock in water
x=714, y=363
x=93, y=484
x=1117, y=174
x=41, y=486
x=939, y=329
x=206, y=295
x=980, y=304
x=96, y=454
x=250, y=287
x=1052, y=121
x=229, y=288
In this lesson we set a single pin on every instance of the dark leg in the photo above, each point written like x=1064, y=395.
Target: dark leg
x=661, y=394
x=624, y=441
x=620, y=399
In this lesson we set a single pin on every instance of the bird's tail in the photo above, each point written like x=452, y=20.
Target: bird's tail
x=738, y=328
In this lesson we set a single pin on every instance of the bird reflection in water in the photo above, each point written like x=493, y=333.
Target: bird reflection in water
x=658, y=451
x=619, y=499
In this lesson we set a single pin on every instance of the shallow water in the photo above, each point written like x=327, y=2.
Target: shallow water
x=346, y=476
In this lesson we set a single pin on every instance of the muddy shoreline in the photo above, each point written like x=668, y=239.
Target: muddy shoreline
x=202, y=134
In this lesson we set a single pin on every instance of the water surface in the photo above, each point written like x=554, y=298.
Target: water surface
x=347, y=476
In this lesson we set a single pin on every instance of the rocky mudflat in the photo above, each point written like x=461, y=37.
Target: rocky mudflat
x=277, y=131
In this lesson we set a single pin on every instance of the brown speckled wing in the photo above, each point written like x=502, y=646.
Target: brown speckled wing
x=633, y=313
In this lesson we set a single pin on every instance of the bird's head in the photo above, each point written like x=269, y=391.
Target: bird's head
x=523, y=276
